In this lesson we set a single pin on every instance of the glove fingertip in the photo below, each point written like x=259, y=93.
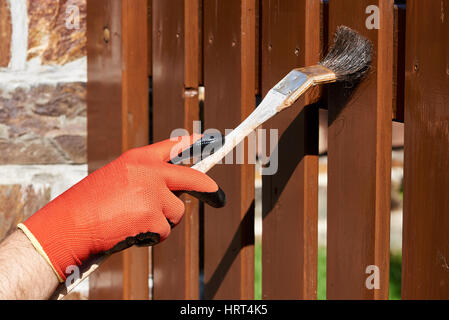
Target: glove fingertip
x=215, y=199
x=221, y=198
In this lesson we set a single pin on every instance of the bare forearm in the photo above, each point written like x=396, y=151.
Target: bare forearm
x=24, y=274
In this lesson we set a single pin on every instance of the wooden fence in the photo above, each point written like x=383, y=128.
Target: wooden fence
x=148, y=59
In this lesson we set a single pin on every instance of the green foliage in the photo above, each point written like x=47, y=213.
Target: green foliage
x=321, y=285
x=395, y=276
x=258, y=272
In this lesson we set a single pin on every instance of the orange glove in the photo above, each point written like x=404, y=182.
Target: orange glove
x=127, y=202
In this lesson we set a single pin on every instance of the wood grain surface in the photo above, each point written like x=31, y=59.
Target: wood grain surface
x=117, y=97
x=359, y=162
x=229, y=80
x=290, y=39
x=426, y=172
x=176, y=47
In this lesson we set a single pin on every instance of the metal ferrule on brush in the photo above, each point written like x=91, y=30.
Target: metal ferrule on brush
x=298, y=81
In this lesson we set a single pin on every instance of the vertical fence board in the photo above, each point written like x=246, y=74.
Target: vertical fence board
x=117, y=90
x=229, y=79
x=104, y=138
x=150, y=37
x=426, y=172
x=360, y=162
x=135, y=117
x=175, y=73
x=399, y=62
x=290, y=39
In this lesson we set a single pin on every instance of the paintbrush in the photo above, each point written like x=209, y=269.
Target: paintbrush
x=348, y=60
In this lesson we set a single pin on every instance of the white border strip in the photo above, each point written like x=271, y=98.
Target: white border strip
x=59, y=177
x=19, y=39
x=35, y=74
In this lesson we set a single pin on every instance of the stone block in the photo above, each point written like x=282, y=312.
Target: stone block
x=52, y=32
x=44, y=124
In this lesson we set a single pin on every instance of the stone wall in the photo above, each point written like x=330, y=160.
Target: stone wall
x=43, y=73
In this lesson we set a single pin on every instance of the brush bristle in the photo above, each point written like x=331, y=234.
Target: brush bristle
x=350, y=57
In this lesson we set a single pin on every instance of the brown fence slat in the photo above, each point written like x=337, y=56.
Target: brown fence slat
x=150, y=37
x=176, y=106
x=359, y=162
x=426, y=172
x=229, y=79
x=399, y=62
x=291, y=39
x=117, y=87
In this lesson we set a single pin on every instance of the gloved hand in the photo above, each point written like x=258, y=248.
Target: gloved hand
x=129, y=201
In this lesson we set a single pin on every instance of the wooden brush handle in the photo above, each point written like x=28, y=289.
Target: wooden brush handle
x=267, y=109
